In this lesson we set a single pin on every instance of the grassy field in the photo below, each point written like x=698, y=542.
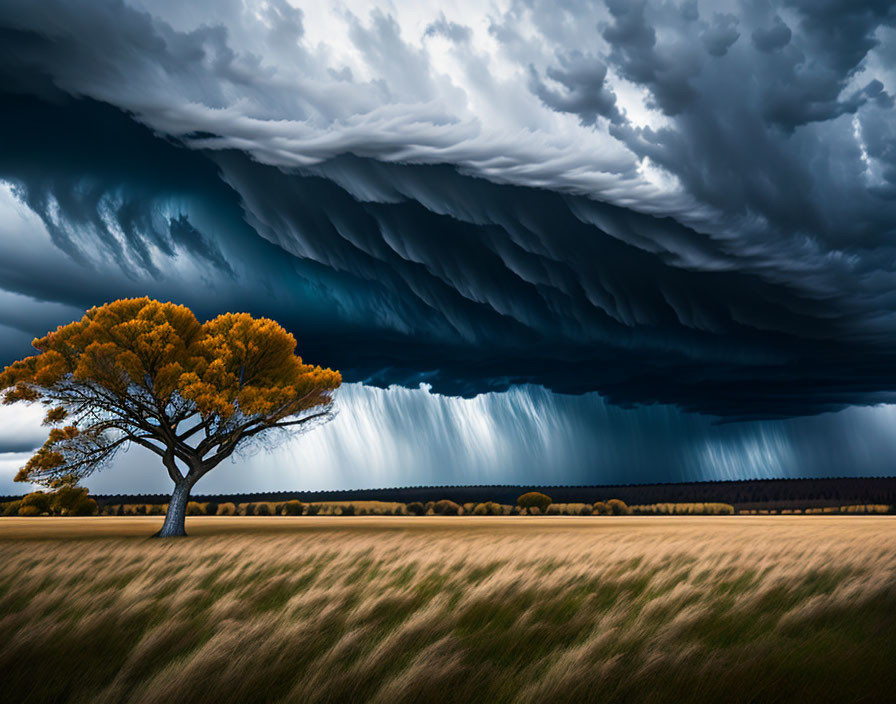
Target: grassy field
x=528, y=609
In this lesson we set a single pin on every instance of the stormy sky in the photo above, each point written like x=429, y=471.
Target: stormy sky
x=559, y=242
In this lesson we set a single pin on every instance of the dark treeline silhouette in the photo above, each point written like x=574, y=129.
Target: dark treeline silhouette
x=745, y=494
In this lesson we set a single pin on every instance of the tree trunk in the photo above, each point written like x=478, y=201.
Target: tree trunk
x=177, y=512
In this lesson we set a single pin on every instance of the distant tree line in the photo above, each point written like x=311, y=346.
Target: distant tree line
x=759, y=494
x=73, y=501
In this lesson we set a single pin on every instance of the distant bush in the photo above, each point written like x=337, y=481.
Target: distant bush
x=70, y=500
x=29, y=510
x=866, y=508
x=312, y=510
x=87, y=507
x=600, y=508
x=157, y=510
x=569, y=509
x=226, y=509
x=416, y=508
x=348, y=510
x=618, y=507
x=534, y=499
x=248, y=509
x=195, y=509
x=11, y=508
x=681, y=509
x=262, y=510
x=292, y=508
x=533, y=511
x=39, y=501
x=488, y=508
x=446, y=507
x=210, y=508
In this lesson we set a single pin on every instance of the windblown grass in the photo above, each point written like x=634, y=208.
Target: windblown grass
x=654, y=609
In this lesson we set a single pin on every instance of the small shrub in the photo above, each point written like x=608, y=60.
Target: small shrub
x=155, y=510
x=555, y=510
x=194, y=509
x=533, y=511
x=262, y=510
x=67, y=500
x=39, y=500
x=488, y=508
x=292, y=508
x=618, y=507
x=600, y=508
x=573, y=509
x=87, y=507
x=250, y=509
x=415, y=508
x=446, y=507
x=29, y=510
x=534, y=499
x=585, y=510
x=210, y=508
x=348, y=510
x=11, y=508
x=226, y=509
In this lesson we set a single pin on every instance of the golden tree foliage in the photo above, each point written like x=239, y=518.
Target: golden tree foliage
x=142, y=371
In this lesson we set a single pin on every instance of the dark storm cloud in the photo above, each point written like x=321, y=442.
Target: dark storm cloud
x=667, y=71
x=721, y=34
x=583, y=92
x=768, y=39
x=404, y=242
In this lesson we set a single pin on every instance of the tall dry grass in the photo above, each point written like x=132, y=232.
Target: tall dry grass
x=449, y=610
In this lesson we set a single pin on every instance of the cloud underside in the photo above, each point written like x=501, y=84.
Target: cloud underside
x=722, y=241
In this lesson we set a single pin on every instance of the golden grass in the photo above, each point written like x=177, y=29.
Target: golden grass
x=454, y=609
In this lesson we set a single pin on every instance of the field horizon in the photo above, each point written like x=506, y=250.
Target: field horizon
x=86, y=527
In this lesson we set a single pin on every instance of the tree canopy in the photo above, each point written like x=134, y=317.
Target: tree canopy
x=149, y=373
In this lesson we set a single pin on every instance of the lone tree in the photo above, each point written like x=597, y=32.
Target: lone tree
x=144, y=372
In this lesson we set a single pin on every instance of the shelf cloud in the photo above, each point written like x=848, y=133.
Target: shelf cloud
x=681, y=203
